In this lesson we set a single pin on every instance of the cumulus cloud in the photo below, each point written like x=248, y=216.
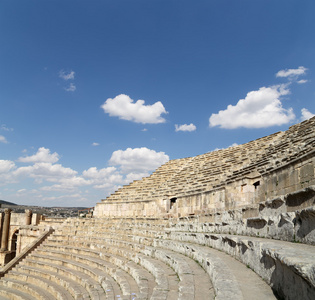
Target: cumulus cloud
x=95, y=144
x=125, y=108
x=306, y=114
x=66, y=184
x=46, y=170
x=292, y=73
x=302, y=81
x=3, y=139
x=43, y=155
x=52, y=179
x=6, y=166
x=259, y=109
x=138, y=160
x=185, y=127
x=66, y=75
x=71, y=88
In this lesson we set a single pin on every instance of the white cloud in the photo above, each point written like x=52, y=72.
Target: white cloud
x=306, y=114
x=6, y=166
x=138, y=160
x=66, y=76
x=291, y=73
x=51, y=181
x=66, y=184
x=259, y=109
x=71, y=88
x=42, y=155
x=185, y=127
x=302, y=81
x=95, y=144
x=122, y=106
x=93, y=172
x=3, y=139
x=46, y=170
x=105, y=178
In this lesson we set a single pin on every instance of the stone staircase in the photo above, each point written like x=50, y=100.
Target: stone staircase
x=159, y=259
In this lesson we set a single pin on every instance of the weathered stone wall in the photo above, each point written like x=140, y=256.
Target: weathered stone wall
x=242, y=193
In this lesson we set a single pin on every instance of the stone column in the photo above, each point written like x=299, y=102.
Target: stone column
x=28, y=217
x=6, y=229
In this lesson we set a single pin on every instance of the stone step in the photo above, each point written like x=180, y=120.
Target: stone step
x=283, y=265
x=34, y=291
x=8, y=293
x=126, y=282
x=166, y=279
x=242, y=282
x=162, y=254
x=142, y=277
x=57, y=291
x=93, y=287
x=178, y=262
x=75, y=289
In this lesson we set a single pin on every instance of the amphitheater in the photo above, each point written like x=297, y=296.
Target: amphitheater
x=237, y=223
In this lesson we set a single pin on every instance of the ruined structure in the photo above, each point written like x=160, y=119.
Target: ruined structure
x=237, y=223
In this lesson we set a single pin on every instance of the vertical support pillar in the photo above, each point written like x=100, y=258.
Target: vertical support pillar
x=28, y=217
x=6, y=229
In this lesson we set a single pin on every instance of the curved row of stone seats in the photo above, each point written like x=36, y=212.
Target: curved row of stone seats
x=288, y=264
x=207, y=171
x=124, y=239
x=167, y=283
x=187, y=270
x=7, y=293
x=202, y=173
x=160, y=259
x=143, y=278
x=147, y=185
x=285, y=266
x=93, y=283
x=281, y=257
x=71, y=286
x=79, y=260
x=37, y=286
x=227, y=283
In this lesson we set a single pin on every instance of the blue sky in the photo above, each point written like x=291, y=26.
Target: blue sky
x=94, y=94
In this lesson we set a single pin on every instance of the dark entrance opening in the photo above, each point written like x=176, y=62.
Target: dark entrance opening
x=172, y=203
x=256, y=184
x=14, y=243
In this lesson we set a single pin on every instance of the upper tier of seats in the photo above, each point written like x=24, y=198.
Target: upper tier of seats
x=214, y=169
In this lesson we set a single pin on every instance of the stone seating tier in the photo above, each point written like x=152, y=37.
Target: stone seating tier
x=202, y=173
x=160, y=259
